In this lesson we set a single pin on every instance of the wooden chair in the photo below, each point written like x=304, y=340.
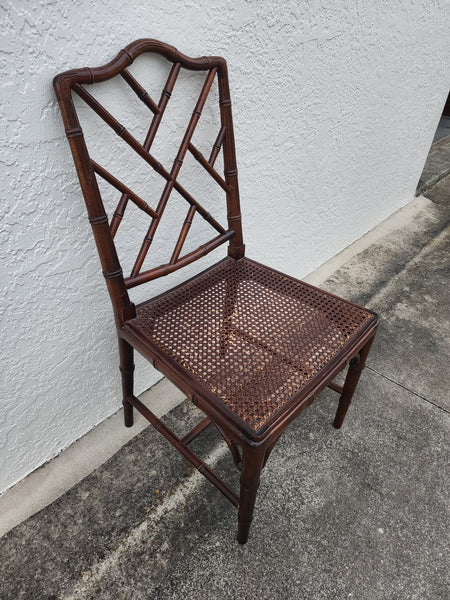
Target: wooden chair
x=249, y=346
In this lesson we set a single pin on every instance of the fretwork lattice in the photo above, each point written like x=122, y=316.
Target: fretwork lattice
x=143, y=150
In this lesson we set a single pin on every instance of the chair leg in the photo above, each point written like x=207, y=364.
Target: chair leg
x=127, y=370
x=355, y=369
x=252, y=464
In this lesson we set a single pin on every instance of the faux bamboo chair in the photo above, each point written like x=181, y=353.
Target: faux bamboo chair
x=249, y=346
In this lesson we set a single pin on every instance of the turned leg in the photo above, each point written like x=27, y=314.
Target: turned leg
x=252, y=464
x=126, y=370
x=354, y=373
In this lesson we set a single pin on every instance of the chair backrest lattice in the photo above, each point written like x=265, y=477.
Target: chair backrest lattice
x=105, y=230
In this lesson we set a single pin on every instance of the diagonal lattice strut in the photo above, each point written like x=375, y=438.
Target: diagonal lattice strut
x=174, y=171
x=140, y=149
x=143, y=150
x=158, y=111
x=106, y=175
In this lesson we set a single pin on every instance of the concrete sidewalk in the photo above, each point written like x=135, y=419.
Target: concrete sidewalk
x=434, y=182
x=361, y=513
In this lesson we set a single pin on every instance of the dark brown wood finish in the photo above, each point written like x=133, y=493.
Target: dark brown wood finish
x=264, y=397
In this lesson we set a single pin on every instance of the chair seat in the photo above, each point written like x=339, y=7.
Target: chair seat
x=251, y=338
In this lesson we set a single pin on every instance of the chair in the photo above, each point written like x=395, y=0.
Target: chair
x=249, y=346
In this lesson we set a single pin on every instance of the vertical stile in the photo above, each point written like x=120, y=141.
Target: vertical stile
x=174, y=171
x=236, y=248
x=96, y=211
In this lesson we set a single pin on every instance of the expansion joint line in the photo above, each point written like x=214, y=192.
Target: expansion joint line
x=408, y=389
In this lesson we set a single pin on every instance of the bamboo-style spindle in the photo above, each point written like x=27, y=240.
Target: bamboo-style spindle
x=174, y=171
x=162, y=270
x=106, y=175
x=205, y=164
x=236, y=248
x=217, y=146
x=182, y=237
x=139, y=148
x=140, y=92
x=165, y=96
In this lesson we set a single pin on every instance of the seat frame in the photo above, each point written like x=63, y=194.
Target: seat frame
x=250, y=449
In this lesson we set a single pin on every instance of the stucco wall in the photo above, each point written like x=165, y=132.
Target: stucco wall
x=335, y=106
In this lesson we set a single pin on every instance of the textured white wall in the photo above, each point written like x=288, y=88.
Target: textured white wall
x=335, y=106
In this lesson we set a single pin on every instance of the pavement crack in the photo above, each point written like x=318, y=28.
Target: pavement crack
x=408, y=389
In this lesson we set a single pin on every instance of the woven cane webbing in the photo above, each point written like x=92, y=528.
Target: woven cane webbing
x=250, y=335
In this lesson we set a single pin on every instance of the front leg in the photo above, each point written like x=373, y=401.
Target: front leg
x=252, y=464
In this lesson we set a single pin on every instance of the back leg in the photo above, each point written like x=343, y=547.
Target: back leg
x=355, y=369
x=126, y=352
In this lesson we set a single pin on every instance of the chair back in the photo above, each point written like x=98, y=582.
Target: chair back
x=77, y=81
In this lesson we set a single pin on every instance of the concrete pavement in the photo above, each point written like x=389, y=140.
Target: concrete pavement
x=434, y=182
x=360, y=513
